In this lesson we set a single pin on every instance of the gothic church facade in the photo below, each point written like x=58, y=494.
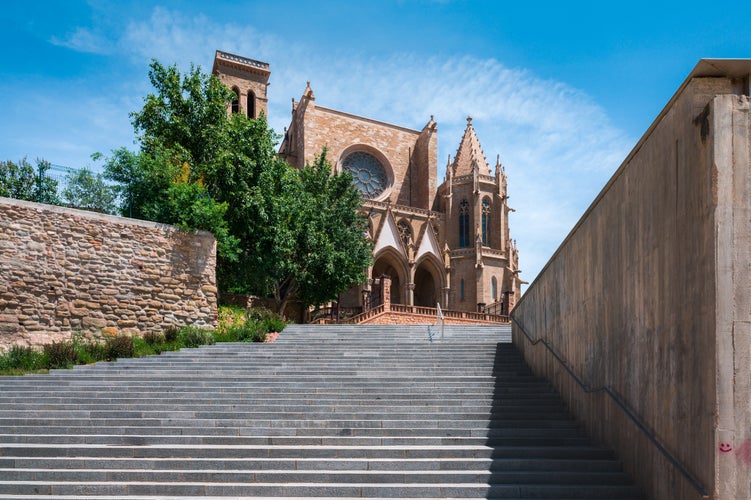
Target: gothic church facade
x=445, y=243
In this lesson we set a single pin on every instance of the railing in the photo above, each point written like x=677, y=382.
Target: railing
x=403, y=209
x=439, y=320
x=431, y=311
x=243, y=60
x=363, y=316
x=629, y=413
x=500, y=307
x=334, y=313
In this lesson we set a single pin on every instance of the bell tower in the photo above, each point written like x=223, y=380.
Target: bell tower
x=484, y=261
x=248, y=78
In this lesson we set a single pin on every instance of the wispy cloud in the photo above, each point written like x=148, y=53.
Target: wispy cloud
x=558, y=146
x=85, y=40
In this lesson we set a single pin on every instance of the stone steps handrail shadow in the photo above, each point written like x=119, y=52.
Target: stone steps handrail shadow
x=589, y=389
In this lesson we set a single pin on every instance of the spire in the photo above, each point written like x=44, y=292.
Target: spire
x=470, y=154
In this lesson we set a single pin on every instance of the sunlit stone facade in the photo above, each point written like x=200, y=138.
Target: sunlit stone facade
x=447, y=244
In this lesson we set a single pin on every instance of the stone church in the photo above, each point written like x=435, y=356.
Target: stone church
x=444, y=243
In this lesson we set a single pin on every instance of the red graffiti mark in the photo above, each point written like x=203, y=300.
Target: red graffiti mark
x=744, y=452
x=726, y=447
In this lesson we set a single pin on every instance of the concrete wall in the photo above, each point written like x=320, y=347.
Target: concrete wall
x=65, y=271
x=649, y=296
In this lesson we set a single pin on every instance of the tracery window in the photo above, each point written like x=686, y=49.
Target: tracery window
x=368, y=173
x=485, y=221
x=405, y=232
x=463, y=224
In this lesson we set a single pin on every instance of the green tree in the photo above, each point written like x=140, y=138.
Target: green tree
x=308, y=239
x=84, y=189
x=178, y=128
x=23, y=182
x=282, y=232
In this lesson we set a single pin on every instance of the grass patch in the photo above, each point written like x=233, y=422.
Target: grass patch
x=235, y=325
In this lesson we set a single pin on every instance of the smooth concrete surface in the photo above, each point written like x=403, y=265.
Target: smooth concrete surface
x=649, y=296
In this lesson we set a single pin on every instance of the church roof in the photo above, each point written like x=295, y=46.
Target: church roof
x=470, y=153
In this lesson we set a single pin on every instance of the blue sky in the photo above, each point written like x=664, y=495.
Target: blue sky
x=561, y=90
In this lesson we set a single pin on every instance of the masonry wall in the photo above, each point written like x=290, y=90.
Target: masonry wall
x=340, y=131
x=649, y=296
x=65, y=271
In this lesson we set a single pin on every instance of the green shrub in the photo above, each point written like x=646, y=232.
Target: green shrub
x=171, y=333
x=194, y=337
x=88, y=351
x=22, y=358
x=60, y=354
x=120, y=347
x=274, y=324
x=154, y=338
x=260, y=314
x=230, y=315
x=248, y=332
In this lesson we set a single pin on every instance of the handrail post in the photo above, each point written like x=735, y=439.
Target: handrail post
x=439, y=317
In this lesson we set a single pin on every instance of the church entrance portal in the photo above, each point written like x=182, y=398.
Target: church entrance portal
x=383, y=266
x=425, y=287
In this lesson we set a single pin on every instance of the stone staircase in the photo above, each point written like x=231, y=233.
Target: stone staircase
x=325, y=411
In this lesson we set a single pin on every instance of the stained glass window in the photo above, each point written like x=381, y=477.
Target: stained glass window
x=368, y=173
x=463, y=224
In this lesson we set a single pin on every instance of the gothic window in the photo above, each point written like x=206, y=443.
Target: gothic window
x=236, y=100
x=485, y=221
x=494, y=289
x=367, y=172
x=461, y=289
x=405, y=232
x=463, y=224
x=251, y=105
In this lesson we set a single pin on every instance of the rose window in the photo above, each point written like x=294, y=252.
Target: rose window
x=367, y=172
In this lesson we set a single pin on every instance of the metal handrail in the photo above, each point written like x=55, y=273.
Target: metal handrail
x=629, y=413
x=439, y=317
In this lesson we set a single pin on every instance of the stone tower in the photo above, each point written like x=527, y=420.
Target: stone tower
x=248, y=78
x=484, y=261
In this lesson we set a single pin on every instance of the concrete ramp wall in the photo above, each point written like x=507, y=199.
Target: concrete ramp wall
x=649, y=296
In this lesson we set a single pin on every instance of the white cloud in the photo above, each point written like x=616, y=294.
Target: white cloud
x=84, y=40
x=558, y=146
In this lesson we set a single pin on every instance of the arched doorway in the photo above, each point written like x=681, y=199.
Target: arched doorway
x=427, y=284
x=388, y=264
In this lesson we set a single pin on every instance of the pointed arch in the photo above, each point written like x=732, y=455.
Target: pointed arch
x=387, y=236
x=235, y=105
x=486, y=222
x=391, y=262
x=251, y=106
x=429, y=281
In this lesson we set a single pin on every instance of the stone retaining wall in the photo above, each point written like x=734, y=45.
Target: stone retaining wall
x=650, y=296
x=66, y=271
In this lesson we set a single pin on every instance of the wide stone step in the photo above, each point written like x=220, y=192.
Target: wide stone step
x=312, y=464
x=299, y=451
x=340, y=412
x=20, y=434
x=544, y=439
x=321, y=475
x=355, y=490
